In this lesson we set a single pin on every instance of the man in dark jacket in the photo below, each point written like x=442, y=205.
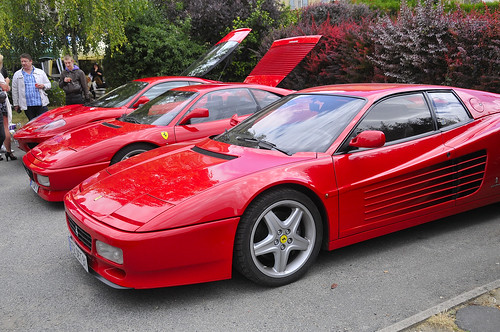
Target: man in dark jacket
x=74, y=83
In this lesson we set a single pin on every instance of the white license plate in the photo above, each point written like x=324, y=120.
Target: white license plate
x=34, y=186
x=78, y=253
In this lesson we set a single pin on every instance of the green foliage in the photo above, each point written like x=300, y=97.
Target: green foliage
x=260, y=21
x=43, y=26
x=391, y=7
x=210, y=20
x=156, y=47
x=56, y=95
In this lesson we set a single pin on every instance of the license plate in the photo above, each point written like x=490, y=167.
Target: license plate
x=34, y=186
x=78, y=253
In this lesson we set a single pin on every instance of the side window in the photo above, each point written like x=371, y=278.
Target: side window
x=449, y=110
x=226, y=103
x=160, y=88
x=264, y=98
x=399, y=117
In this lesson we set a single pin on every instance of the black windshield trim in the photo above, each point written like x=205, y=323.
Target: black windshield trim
x=212, y=154
x=110, y=125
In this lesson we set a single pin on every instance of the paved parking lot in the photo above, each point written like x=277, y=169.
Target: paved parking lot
x=377, y=283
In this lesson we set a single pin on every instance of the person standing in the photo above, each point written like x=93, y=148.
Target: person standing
x=28, y=89
x=74, y=83
x=97, y=78
x=5, y=113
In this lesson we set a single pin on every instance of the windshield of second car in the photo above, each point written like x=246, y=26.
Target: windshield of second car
x=296, y=123
x=162, y=109
x=120, y=96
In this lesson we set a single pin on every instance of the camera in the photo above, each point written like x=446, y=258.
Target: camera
x=3, y=97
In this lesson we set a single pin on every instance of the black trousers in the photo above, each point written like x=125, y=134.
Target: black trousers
x=74, y=98
x=34, y=111
x=2, y=131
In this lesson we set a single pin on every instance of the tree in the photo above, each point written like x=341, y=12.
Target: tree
x=156, y=47
x=53, y=25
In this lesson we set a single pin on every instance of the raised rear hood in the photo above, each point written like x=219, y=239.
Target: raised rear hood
x=217, y=53
x=153, y=184
x=283, y=56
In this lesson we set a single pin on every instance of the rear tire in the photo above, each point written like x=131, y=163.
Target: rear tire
x=278, y=238
x=130, y=151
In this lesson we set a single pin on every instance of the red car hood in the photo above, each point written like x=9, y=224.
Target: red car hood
x=73, y=114
x=50, y=116
x=58, y=147
x=156, y=181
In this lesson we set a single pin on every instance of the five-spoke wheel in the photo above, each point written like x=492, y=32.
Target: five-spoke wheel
x=278, y=238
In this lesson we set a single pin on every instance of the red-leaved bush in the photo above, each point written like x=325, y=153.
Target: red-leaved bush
x=421, y=45
x=473, y=60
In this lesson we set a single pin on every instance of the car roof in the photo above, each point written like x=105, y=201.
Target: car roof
x=368, y=90
x=150, y=80
x=202, y=88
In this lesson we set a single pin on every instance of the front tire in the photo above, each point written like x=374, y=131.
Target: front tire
x=278, y=238
x=130, y=151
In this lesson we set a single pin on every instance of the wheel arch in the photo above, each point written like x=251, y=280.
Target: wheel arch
x=313, y=196
x=152, y=145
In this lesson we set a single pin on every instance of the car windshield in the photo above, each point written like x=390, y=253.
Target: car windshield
x=211, y=59
x=162, y=109
x=296, y=123
x=120, y=96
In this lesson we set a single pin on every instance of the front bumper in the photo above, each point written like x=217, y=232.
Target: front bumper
x=192, y=254
x=61, y=180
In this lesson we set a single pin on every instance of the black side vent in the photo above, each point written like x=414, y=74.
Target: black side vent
x=437, y=184
x=83, y=236
x=213, y=154
x=110, y=125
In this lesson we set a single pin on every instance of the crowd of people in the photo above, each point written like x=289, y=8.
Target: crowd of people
x=28, y=90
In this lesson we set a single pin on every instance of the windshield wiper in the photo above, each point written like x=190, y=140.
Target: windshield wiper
x=130, y=119
x=262, y=144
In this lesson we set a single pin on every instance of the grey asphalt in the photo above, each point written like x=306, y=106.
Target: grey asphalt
x=368, y=286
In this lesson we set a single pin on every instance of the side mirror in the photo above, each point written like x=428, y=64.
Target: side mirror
x=196, y=113
x=368, y=139
x=140, y=101
x=234, y=120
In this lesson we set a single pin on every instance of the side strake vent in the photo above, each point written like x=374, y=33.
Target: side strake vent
x=212, y=154
x=430, y=186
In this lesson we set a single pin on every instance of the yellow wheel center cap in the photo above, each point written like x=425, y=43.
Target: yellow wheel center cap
x=283, y=239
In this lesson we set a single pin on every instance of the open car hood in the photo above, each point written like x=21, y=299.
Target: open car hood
x=217, y=53
x=283, y=56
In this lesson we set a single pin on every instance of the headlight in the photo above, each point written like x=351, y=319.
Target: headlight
x=43, y=180
x=52, y=125
x=109, y=252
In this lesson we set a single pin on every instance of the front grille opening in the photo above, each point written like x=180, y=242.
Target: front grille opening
x=30, y=173
x=83, y=236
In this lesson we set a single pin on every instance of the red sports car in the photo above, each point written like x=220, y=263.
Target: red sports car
x=181, y=114
x=125, y=98
x=324, y=168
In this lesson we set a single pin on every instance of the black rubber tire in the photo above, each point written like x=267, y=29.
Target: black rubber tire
x=130, y=151
x=297, y=246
